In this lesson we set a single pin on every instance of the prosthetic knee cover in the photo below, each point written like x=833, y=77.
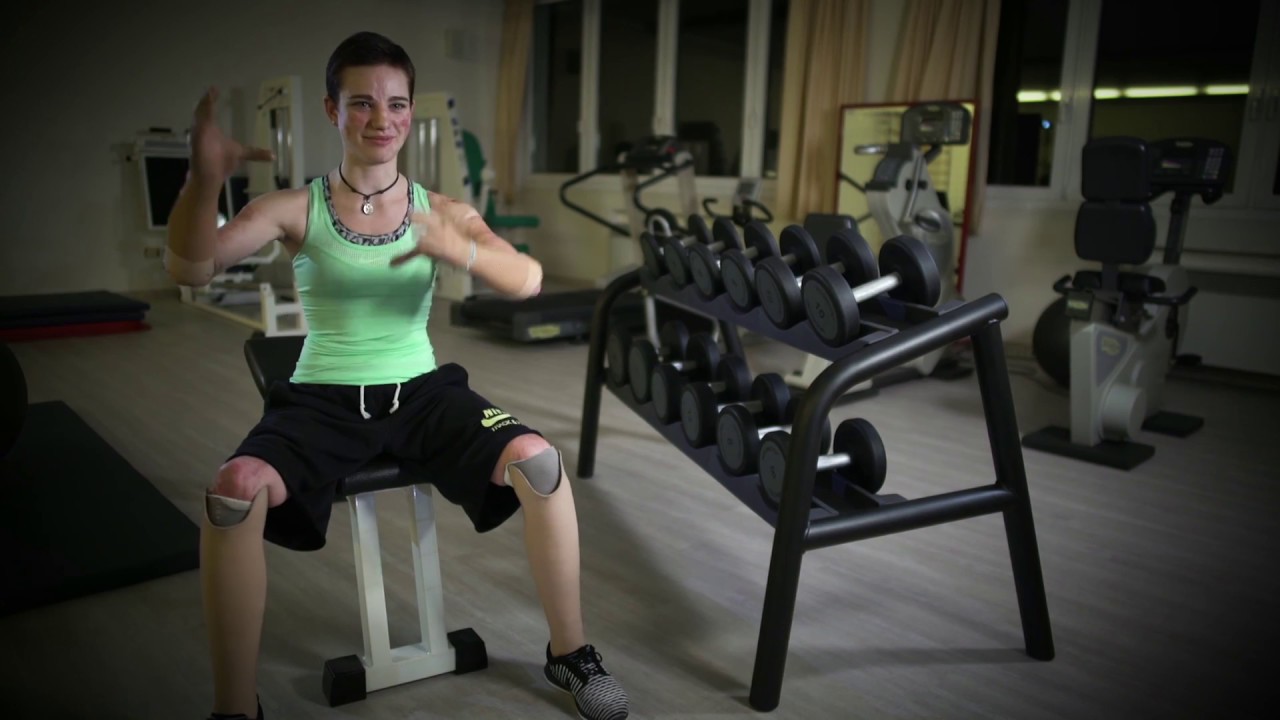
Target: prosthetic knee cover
x=233, y=576
x=541, y=473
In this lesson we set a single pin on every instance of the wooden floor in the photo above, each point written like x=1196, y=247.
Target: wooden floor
x=1161, y=594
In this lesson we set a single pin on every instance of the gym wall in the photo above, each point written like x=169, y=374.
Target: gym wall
x=73, y=207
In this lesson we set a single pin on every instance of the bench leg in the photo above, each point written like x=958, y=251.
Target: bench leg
x=351, y=678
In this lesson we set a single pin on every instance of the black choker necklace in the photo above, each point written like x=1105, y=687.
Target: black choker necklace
x=367, y=207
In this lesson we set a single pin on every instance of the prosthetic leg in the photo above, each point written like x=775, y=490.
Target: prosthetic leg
x=233, y=576
x=551, y=538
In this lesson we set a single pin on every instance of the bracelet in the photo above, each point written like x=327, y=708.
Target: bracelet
x=472, y=260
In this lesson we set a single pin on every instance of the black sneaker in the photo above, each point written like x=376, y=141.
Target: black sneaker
x=239, y=716
x=595, y=692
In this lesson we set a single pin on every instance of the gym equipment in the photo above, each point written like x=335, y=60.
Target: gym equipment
x=51, y=315
x=701, y=404
x=667, y=377
x=568, y=314
x=833, y=291
x=673, y=339
x=858, y=458
x=704, y=260
x=81, y=519
x=13, y=390
x=236, y=293
x=1125, y=325
x=745, y=201
x=732, y=380
x=904, y=200
x=777, y=278
x=675, y=249
x=739, y=431
x=351, y=677
x=736, y=270
x=676, y=345
x=810, y=515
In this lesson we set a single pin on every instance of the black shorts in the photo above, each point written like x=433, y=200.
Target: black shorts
x=443, y=432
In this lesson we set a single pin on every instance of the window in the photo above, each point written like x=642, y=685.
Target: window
x=608, y=72
x=1176, y=77
x=1024, y=120
x=556, y=86
x=628, y=52
x=710, y=67
x=1071, y=70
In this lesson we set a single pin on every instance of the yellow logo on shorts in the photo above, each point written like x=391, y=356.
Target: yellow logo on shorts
x=493, y=416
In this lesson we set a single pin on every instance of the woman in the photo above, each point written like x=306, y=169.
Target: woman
x=365, y=243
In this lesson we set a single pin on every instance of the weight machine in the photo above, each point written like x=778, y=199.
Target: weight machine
x=278, y=126
x=904, y=200
x=1124, y=326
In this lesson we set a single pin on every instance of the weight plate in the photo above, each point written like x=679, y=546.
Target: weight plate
x=774, y=396
x=736, y=274
x=829, y=305
x=732, y=425
x=699, y=230
x=797, y=241
x=640, y=363
x=860, y=440
x=673, y=338
x=851, y=250
x=773, y=463
x=918, y=273
x=704, y=266
x=704, y=354
x=615, y=351
x=736, y=376
x=758, y=236
x=664, y=388
x=698, y=413
x=779, y=292
x=676, y=254
x=725, y=234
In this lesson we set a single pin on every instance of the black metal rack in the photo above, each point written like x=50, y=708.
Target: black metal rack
x=814, y=513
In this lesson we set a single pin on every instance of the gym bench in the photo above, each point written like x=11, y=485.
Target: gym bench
x=352, y=677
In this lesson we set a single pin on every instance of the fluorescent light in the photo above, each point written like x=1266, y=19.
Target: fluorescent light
x=1032, y=96
x=1055, y=95
x=1160, y=92
x=1106, y=93
x=1226, y=90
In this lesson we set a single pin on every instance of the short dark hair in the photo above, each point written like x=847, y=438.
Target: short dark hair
x=365, y=49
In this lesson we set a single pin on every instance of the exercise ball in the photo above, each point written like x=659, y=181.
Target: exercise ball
x=1051, y=342
x=13, y=399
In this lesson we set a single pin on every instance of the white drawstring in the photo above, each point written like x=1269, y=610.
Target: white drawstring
x=395, y=403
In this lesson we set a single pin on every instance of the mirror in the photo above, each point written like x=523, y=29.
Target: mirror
x=905, y=169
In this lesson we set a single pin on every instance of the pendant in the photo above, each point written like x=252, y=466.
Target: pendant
x=367, y=207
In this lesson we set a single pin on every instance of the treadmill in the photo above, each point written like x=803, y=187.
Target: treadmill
x=567, y=314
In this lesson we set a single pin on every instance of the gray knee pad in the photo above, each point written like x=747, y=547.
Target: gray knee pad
x=225, y=511
x=542, y=472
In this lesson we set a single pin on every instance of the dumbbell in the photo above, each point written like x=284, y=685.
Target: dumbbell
x=665, y=380
x=675, y=249
x=658, y=223
x=701, y=403
x=673, y=344
x=777, y=278
x=736, y=269
x=704, y=260
x=732, y=380
x=857, y=458
x=739, y=431
x=673, y=336
x=832, y=292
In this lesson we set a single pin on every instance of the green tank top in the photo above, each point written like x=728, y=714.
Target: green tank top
x=367, y=320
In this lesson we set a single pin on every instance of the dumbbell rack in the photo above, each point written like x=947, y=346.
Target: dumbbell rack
x=812, y=514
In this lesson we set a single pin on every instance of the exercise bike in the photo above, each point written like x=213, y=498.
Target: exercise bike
x=1124, y=326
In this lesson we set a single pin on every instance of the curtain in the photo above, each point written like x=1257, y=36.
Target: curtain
x=823, y=70
x=513, y=69
x=948, y=52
